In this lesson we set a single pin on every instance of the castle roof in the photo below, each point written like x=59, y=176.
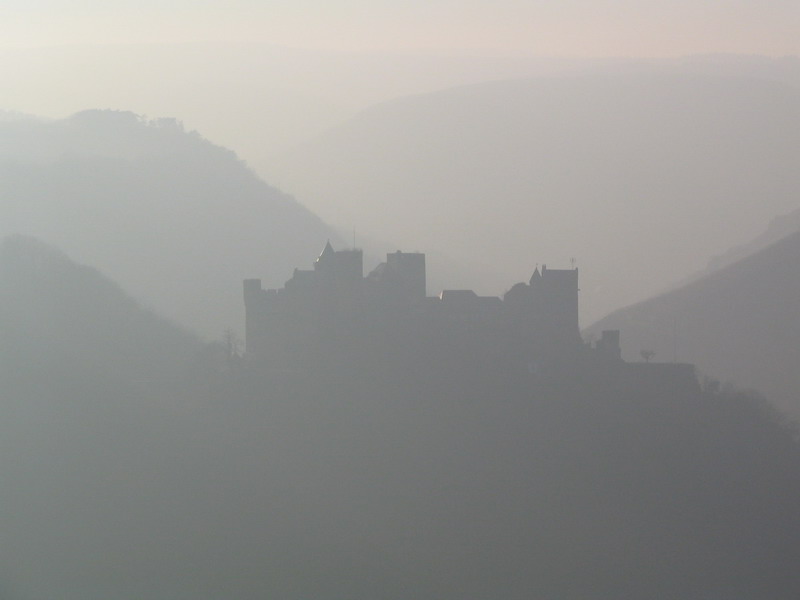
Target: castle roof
x=326, y=251
x=563, y=274
x=536, y=276
x=457, y=295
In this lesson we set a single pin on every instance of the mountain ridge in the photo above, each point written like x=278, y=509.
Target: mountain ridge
x=738, y=323
x=177, y=219
x=461, y=479
x=53, y=311
x=582, y=165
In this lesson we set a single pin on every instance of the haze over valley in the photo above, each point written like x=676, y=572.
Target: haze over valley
x=166, y=210
x=597, y=157
x=348, y=300
x=639, y=172
x=140, y=463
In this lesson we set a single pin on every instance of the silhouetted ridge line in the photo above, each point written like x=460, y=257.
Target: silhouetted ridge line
x=159, y=207
x=53, y=310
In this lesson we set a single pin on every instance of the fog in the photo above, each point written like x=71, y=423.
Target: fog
x=399, y=300
x=598, y=28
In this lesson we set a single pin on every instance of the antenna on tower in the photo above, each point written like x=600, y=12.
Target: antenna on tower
x=354, y=237
x=572, y=262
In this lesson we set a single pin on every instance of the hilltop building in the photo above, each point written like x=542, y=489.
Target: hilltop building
x=333, y=317
x=333, y=305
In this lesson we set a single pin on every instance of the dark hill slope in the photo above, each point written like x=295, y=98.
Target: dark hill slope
x=741, y=323
x=346, y=481
x=60, y=319
x=476, y=484
x=610, y=166
x=179, y=221
x=89, y=385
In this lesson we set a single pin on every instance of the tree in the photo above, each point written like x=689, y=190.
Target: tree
x=233, y=347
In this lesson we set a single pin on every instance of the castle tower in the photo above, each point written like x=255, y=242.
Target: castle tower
x=608, y=345
x=348, y=266
x=405, y=275
x=340, y=269
x=555, y=297
x=324, y=262
x=252, y=320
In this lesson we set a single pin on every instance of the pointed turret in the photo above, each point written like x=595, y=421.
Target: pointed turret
x=326, y=251
x=325, y=257
x=536, y=277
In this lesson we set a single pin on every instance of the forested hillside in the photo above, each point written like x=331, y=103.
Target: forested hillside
x=177, y=220
x=130, y=471
x=59, y=318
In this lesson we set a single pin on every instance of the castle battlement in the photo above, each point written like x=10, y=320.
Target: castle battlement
x=536, y=318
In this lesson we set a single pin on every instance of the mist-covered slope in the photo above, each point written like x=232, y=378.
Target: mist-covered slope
x=740, y=323
x=177, y=220
x=61, y=321
x=88, y=378
x=638, y=172
x=779, y=228
x=336, y=479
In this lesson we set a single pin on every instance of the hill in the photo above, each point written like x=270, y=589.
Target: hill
x=779, y=228
x=354, y=480
x=63, y=320
x=257, y=98
x=87, y=378
x=474, y=482
x=261, y=99
x=178, y=220
x=739, y=323
x=607, y=165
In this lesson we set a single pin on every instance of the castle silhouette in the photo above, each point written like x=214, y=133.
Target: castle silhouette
x=334, y=306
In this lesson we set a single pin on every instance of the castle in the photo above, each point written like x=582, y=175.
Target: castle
x=334, y=306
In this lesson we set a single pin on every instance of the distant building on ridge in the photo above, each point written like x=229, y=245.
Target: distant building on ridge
x=335, y=303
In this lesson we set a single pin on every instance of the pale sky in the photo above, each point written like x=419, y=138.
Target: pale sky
x=513, y=27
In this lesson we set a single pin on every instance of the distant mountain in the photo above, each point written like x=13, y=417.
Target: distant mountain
x=179, y=221
x=636, y=171
x=783, y=69
x=261, y=98
x=740, y=323
x=13, y=115
x=779, y=228
x=257, y=98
